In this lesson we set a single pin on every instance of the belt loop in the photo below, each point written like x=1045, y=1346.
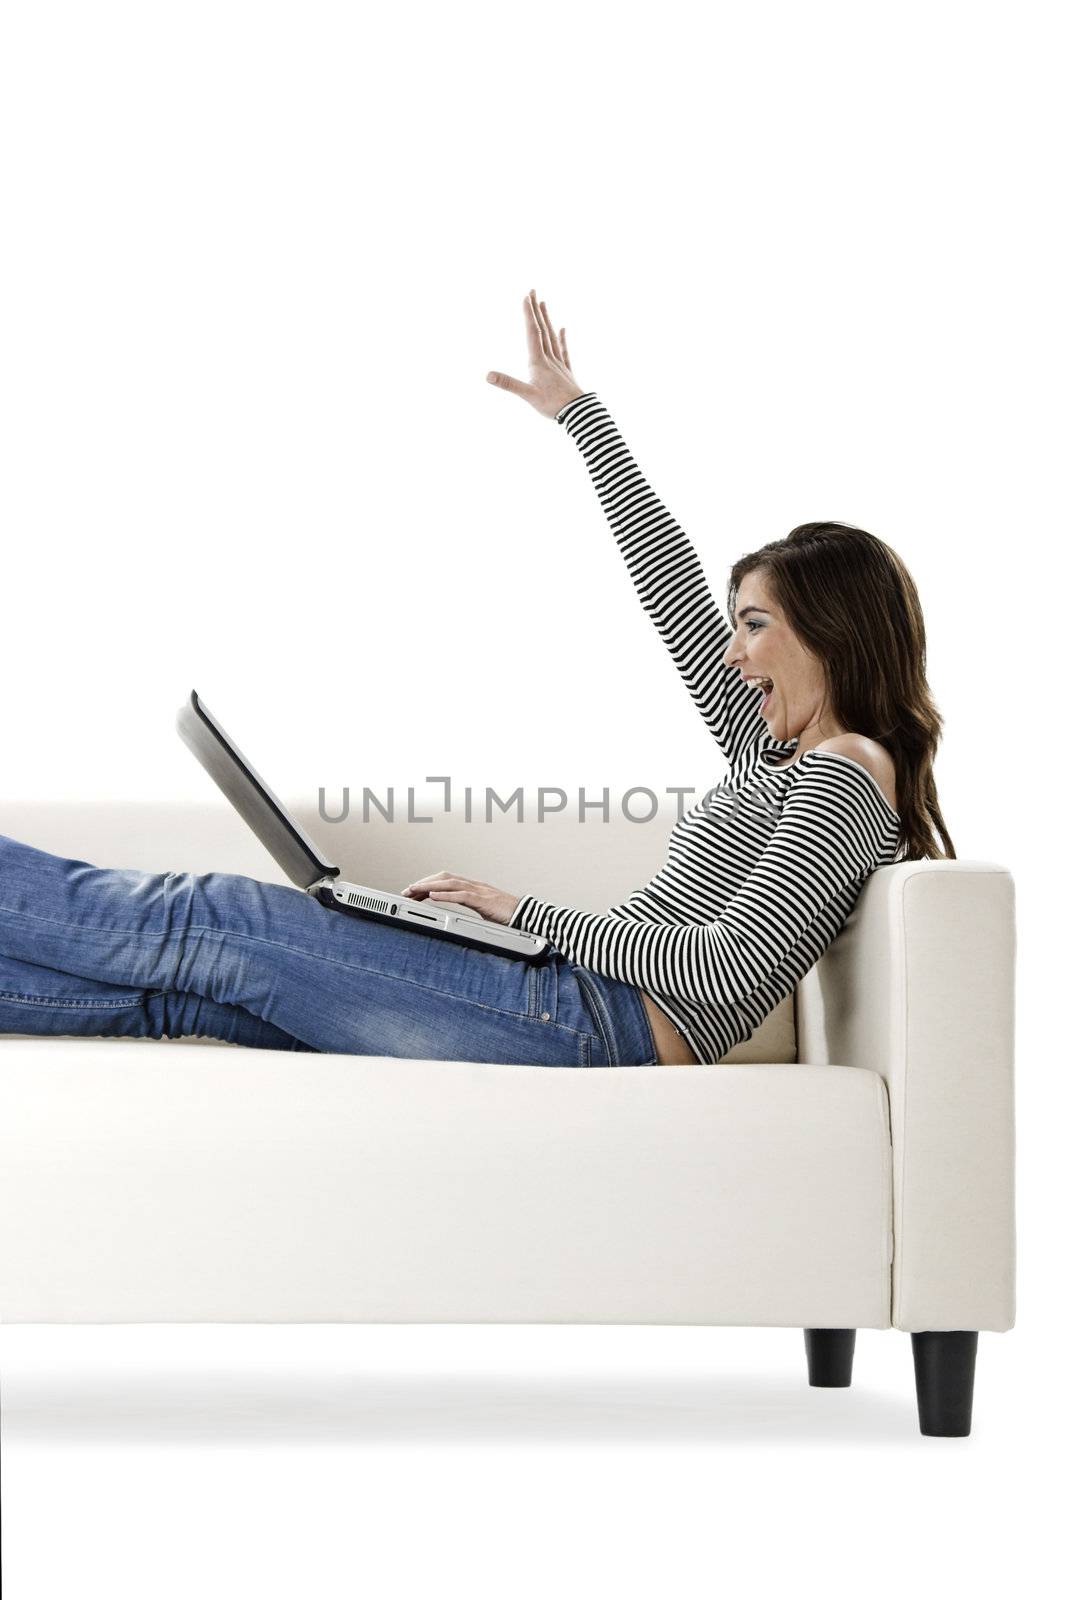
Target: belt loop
x=545, y=988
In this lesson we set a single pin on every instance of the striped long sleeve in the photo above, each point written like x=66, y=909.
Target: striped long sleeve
x=834, y=827
x=669, y=579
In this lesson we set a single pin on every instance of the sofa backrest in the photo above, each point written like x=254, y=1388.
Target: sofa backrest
x=591, y=864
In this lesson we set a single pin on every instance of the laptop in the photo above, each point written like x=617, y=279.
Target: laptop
x=308, y=869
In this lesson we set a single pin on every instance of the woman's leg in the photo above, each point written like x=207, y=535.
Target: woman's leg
x=335, y=982
x=38, y=1000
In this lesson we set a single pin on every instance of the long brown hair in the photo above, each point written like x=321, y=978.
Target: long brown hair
x=852, y=601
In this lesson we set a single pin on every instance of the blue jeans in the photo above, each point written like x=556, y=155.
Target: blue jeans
x=114, y=950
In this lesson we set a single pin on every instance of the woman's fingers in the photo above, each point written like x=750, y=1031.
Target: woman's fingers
x=503, y=380
x=546, y=331
x=548, y=339
x=534, y=336
x=447, y=880
x=497, y=905
x=554, y=343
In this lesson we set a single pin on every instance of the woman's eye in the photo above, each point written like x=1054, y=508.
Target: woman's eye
x=749, y=623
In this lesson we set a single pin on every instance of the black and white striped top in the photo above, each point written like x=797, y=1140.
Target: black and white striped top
x=760, y=875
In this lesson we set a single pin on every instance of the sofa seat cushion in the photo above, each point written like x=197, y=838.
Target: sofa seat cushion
x=170, y=1183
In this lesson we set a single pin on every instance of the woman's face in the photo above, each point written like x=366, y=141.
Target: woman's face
x=765, y=646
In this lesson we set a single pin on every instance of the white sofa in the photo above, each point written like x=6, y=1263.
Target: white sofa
x=850, y=1167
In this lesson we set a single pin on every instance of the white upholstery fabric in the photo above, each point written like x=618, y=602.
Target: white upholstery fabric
x=864, y=1180
x=919, y=986
x=142, y=1182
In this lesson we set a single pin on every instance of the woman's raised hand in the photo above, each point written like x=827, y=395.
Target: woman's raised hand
x=551, y=384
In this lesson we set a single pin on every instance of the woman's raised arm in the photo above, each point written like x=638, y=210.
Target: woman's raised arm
x=667, y=573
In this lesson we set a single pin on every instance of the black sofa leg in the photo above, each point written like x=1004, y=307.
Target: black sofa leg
x=945, y=1369
x=830, y=1353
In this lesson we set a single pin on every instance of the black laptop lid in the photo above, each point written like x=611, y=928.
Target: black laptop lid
x=251, y=796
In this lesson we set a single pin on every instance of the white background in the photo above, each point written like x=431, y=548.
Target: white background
x=820, y=261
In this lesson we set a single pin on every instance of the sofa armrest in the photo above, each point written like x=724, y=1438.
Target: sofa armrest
x=919, y=986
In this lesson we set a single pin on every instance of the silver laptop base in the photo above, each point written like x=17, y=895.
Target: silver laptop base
x=430, y=916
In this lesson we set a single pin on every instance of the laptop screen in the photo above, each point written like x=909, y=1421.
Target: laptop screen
x=251, y=796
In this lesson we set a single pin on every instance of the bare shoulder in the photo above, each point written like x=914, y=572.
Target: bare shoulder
x=869, y=754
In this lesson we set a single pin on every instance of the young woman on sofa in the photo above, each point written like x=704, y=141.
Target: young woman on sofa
x=815, y=693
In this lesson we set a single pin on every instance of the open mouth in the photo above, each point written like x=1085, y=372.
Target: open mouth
x=768, y=688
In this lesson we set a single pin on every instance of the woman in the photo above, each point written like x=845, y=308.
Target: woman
x=816, y=694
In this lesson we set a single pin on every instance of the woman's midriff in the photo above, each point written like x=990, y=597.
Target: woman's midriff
x=671, y=1049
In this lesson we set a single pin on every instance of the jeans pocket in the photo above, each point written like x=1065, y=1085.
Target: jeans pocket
x=600, y=1036
x=597, y=1051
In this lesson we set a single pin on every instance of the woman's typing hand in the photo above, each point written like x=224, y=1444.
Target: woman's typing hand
x=551, y=384
x=494, y=904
